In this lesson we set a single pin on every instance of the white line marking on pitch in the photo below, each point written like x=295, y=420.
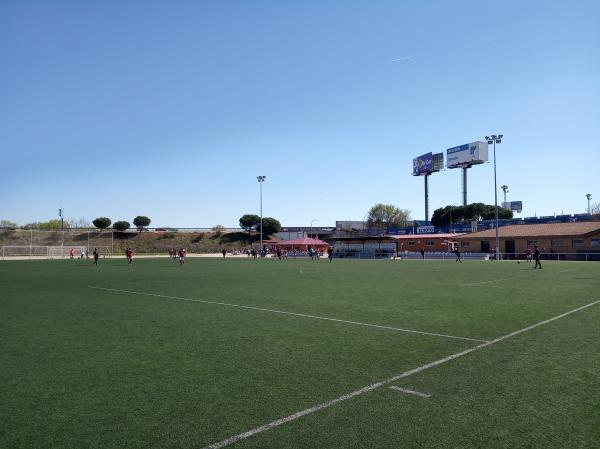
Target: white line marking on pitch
x=363, y=390
x=378, y=326
x=405, y=390
x=486, y=282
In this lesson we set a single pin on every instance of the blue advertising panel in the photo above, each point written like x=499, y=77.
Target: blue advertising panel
x=423, y=164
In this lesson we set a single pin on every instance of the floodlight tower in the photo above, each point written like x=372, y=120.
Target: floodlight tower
x=589, y=197
x=261, y=179
x=505, y=189
x=61, y=215
x=495, y=139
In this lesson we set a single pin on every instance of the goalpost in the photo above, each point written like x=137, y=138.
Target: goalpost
x=64, y=252
x=24, y=251
x=52, y=252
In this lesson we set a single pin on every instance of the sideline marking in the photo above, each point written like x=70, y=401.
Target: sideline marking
x=416, y=393
x=316, y=408
x=473, y=284
x=378, y=326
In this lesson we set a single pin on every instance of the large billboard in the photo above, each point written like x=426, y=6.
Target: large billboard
x=467, y=155
x=516, y=206
x=428, y=163
x=423, y=165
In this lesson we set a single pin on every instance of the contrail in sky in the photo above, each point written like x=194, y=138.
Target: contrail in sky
x=404, y=58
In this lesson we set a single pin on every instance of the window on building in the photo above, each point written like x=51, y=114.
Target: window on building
x=556, y=243
x=532, y=242
x=464, y=244
x=412, y=243
x=595, y=242
x=429, y=242
x=577, y=242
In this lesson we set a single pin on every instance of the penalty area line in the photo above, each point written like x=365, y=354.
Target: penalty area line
x=283, y=312
x=234, y=439
x=406, y=390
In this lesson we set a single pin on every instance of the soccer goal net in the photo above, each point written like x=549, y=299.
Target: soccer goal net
x=24, y=251
x=65, y=252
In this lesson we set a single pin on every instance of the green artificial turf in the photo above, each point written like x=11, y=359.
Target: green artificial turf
x=90, y=368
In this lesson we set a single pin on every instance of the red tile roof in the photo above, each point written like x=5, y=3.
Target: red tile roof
x=423, y=236
x=539, y=230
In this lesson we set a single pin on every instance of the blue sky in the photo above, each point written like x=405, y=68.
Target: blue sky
x=171, y=109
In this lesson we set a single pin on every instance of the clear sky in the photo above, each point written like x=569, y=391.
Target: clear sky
x=171, y=109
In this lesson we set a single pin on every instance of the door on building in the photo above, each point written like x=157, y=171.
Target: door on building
x=510, y=249
x=485, y=246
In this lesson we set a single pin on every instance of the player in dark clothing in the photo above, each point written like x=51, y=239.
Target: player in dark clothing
x=95, y=256
x=536, y=256
x=423, y=253
x=457, y=252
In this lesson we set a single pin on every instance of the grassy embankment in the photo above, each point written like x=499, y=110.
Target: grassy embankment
x=142, y=243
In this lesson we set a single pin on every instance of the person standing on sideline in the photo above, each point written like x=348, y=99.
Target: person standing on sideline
x=536, y=256
x=423, y=253
x=224, y=252
x=95, y=253
x=330, y=253
x=457, y=252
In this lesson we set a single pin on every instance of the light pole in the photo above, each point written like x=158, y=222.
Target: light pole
x=60, y=214
x=505, y=189
x=589, y=197
x=261, y=179
x=495, y=139
x=311, y=223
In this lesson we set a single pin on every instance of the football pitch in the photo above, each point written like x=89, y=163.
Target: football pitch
x=247, y=353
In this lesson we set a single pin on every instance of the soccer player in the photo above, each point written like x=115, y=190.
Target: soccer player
x=457, y=252
x=536, y=256
x=528, y=254
x=182, y=254
x=95, y=253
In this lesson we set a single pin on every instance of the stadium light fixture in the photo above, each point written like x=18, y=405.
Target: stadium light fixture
x=505, y=189
x=589, y=197
x=494, y=139
x=311, y=225
x=261, y=179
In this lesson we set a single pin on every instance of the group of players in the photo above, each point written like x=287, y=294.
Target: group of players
x=181, y=254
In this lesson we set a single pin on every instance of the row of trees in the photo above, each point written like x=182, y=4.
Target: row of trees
x=251, y=222
x=445, y=216
x=140, y=222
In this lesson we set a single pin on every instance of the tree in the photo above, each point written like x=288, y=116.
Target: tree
x=101, y=223
x=387, y=216
x=7, y=224
x=269, y=225
x=141, y=222
x=54, y=224
x=595, y=209
x=445, y=216
x=249, y=222
x=121, y=226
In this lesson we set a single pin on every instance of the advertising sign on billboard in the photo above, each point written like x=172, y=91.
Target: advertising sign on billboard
x=423, y=164
x=467, y=154
x=516, y=206
x=425, y=230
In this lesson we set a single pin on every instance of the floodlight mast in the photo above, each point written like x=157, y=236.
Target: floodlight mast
x=505, y=189
x=261, y=179
x=589, y=197
x=495, y=139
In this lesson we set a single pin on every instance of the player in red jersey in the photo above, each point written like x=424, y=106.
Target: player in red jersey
x=182, y=254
